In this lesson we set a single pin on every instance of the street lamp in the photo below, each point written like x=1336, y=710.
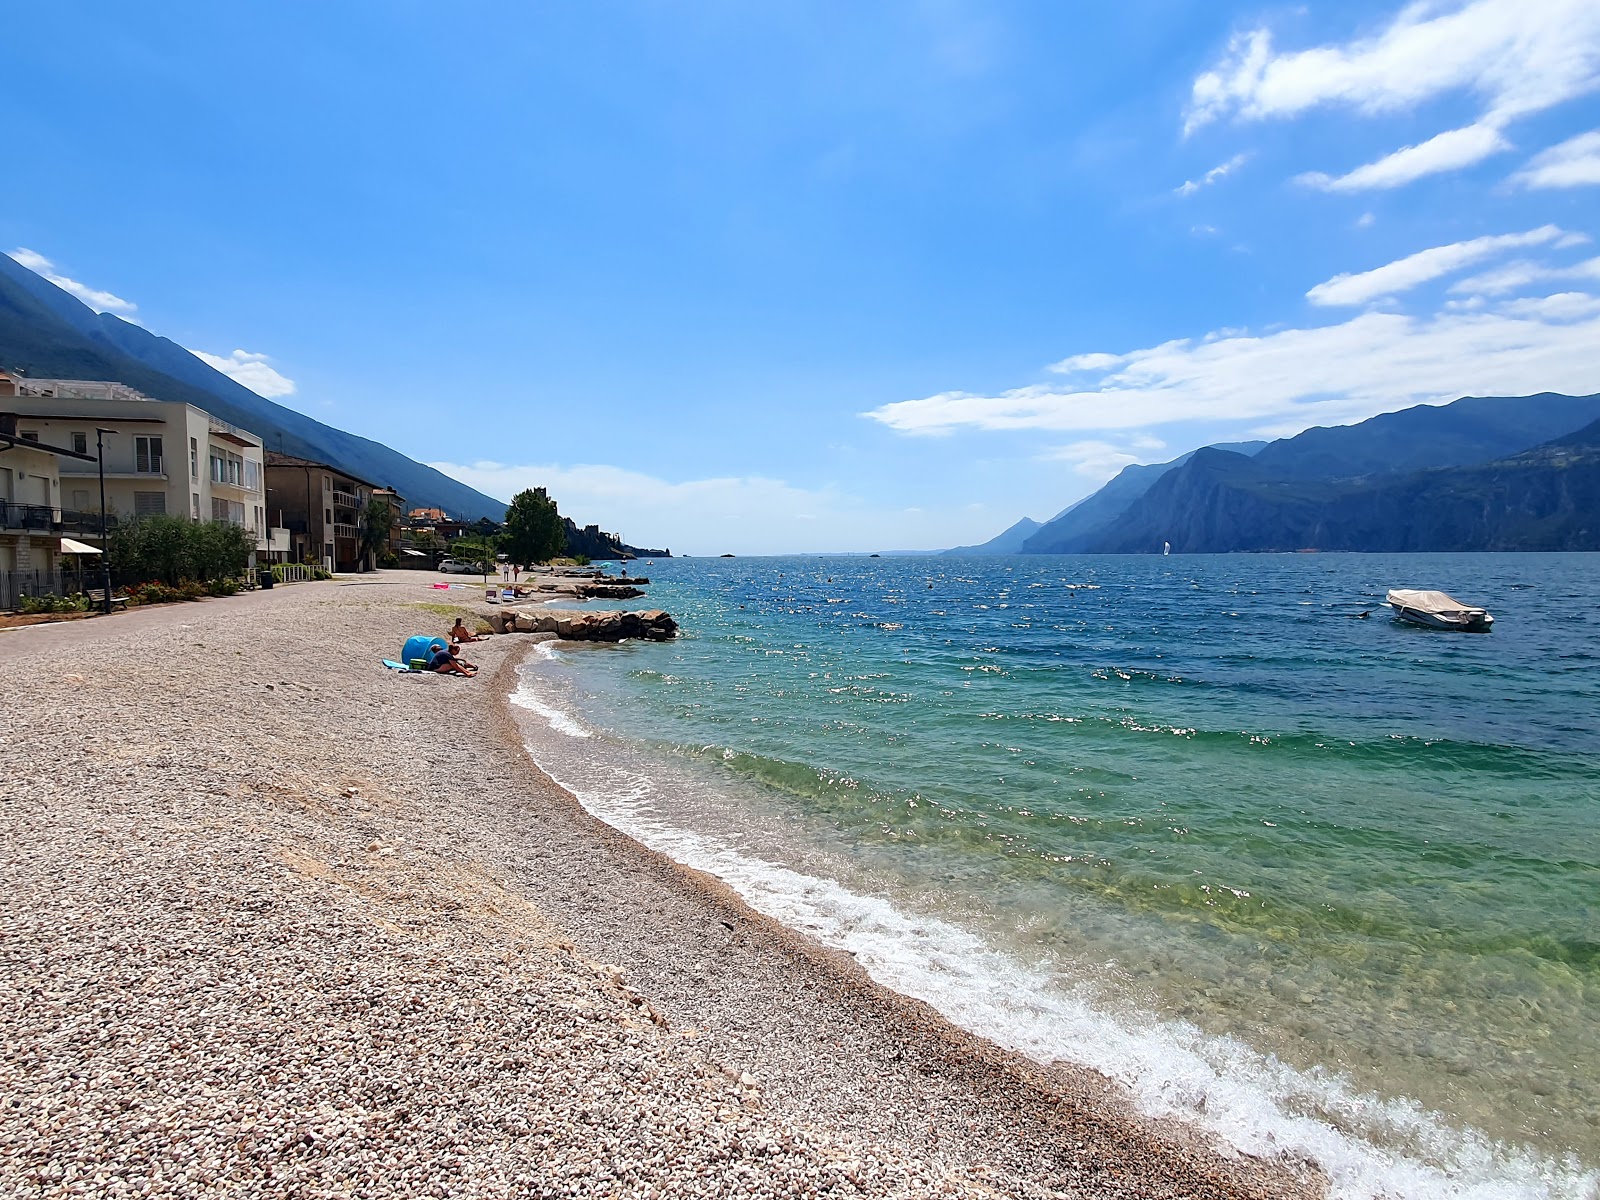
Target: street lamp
x=105, y=545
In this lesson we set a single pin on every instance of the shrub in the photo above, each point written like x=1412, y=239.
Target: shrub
x=77, y=602
x=170, y=549
x=156, y=592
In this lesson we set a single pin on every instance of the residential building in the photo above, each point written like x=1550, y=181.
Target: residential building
x=30, y=510
x=397, y=515
x=321, y=507
x=161, y=456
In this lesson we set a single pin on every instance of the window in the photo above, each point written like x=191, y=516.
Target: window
x=327, y=516
x=149, y=503
x=219, y=509
x=30, y=435
x=194, y=460
x=252, y=475
x=80, y=443
x=194, y=505
x=147, y=457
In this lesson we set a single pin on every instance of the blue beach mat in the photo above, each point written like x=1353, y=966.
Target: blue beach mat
x=394, y=666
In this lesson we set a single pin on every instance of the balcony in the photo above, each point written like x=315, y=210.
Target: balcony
x=345, y=531
x=29, y=518
x=343, y=499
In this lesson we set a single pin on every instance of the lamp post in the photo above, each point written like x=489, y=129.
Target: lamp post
x=105, y=545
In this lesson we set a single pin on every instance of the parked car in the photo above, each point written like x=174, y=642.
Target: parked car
x=459, y=566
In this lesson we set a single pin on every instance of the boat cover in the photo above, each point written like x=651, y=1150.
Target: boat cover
x=1439, y=604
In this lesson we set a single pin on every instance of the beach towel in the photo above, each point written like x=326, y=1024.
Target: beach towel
x=401, y=667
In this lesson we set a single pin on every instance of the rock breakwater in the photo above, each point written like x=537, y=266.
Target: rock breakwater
x=653, y=624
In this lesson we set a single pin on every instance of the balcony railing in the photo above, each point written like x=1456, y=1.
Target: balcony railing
x=345, y=531
x=29, y=518
x=346, y=499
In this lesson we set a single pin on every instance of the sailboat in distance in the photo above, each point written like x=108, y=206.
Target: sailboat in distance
x=1166, y=548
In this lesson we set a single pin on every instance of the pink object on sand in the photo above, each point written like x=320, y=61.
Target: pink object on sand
x=445, y=586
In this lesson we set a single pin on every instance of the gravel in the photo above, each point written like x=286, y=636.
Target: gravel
x=276, y=921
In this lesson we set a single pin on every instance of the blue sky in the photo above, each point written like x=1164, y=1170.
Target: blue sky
x=824, y=276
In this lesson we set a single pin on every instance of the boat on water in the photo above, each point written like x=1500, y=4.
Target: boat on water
x=1437, y=610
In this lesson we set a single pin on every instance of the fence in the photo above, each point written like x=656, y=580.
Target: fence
x=16, y=584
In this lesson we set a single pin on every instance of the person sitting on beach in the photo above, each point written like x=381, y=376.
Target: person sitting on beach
x=461, y=633
x=443, y=660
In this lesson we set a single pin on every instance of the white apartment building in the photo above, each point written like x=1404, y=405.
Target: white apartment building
x=161, y=456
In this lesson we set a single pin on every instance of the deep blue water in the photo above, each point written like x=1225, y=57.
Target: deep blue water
x=1326, y=882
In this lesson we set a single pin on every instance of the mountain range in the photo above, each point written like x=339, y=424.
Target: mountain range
x=48, y=334
x=1482, y=473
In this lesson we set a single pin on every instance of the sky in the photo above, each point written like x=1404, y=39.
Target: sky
x=789, y=277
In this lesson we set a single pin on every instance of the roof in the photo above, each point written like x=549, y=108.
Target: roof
x=276, y=459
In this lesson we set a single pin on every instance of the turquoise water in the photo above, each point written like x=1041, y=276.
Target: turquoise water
x=1328, y=884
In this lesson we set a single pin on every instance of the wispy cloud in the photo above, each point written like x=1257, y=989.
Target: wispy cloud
x=1293, y=378
x=737, y=513
x=1447, y=151
x=1573, y=163
x=1514, y=276
x=96, y=299
x=1190, y=186
x=1521, y=58
x=1101, y=459
x=1518, y=58
x=1425, y=265
x=251, y=370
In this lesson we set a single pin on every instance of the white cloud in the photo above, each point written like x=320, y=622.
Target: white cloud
x=1447, y=151
x=1086, y=362
x=1365, y=220
x=742, y=515
x=1293, y=378
x=101, y=302
x=1563, y=306
x=1520, y=58
x=1424, y=265
x=1099, y=460
x=1515, y=276
x=1190, y=186
x=251, y=370
x=1573, y=163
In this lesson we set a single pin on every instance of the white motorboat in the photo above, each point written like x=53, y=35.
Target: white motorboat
x=1436, y=610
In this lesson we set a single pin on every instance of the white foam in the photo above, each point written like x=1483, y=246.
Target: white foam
x=1370, y=1148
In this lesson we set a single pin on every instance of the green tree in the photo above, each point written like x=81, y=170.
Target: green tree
x=533, y=532
x=377, y=519
x=169, y=549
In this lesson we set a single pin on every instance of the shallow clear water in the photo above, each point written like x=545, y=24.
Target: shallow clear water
x=1327, y=884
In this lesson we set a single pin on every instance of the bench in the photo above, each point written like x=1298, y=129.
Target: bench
x=97, y=599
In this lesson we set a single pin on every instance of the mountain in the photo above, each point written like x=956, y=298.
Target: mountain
x=1543, y=498
x=1474, y=429
x=1074, y=529
x=1009, y=542
x=48, y=334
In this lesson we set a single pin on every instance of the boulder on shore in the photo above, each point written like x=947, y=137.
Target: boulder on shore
x=578, y=626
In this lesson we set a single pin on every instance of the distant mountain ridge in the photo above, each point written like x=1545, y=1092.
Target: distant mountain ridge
x=1009, y=542
x=1544, y=498
x=1482, y=473
x=1506, y=463
x=49, y=334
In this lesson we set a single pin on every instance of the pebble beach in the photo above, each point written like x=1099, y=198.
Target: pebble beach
x=280, y=922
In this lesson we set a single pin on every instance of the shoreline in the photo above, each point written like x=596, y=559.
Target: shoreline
x=468, y=847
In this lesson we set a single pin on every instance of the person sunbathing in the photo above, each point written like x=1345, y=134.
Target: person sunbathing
x=446, y=661
x=461, y=633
